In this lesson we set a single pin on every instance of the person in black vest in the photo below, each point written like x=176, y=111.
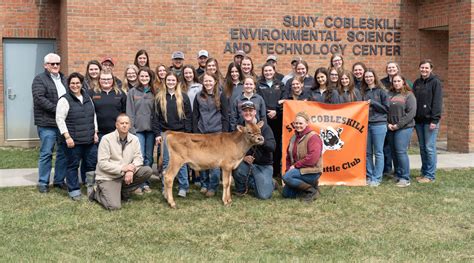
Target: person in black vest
x=47, y=87
x=76, y=120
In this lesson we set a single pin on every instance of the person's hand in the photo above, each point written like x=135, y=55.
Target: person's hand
x=281, y=101
x=271, y=114
x=291, y=167
x=128, y=168
x=432, y=126
x=128, y=178
x=158, y=140
x=96, y=138
x=368, y=101
x=70, y=142
x=249, y=159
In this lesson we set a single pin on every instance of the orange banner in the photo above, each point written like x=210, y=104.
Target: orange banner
x=343, y=130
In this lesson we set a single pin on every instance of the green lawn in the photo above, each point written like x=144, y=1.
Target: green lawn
x=427, y=223
x=11, y=157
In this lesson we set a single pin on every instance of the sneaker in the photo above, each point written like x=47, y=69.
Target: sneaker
x=423, y=180
x=138, y=191
x=182, y=193
x=210, y=193
x=76, y=198
x=373, y=184
x=43, y=189
x=146, y=189
x=203, y=190
x=403, y=183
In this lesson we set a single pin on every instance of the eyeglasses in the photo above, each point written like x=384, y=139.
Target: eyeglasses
x=54, y=63
x=106, y=79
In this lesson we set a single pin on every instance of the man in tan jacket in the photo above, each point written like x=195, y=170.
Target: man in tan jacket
x=120, y=167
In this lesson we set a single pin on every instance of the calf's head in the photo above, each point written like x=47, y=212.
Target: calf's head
x=252, y=133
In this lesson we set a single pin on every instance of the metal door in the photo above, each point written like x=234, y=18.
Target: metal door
x=22, y=61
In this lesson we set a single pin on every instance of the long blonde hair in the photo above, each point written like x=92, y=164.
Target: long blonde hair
x=125, y=80
x=160, y=98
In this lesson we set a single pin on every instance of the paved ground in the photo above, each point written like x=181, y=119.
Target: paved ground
x=446, y=160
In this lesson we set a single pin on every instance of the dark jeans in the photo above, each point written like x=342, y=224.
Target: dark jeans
x=387, y=157
x=293, y=179
x=74, y=156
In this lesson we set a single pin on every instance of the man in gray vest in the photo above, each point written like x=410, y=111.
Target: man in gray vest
x=47, y=88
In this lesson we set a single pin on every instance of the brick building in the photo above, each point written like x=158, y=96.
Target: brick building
x=374, y=32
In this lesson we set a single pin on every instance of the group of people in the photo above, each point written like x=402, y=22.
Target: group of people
x=109, y=128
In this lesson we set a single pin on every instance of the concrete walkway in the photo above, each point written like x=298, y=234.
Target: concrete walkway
x=446, y=160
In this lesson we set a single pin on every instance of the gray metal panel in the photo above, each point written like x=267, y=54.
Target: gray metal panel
x=22, y=60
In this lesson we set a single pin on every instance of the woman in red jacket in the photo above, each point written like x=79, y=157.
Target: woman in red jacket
x=304, y=162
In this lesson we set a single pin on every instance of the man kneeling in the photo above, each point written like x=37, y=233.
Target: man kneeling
x=120, y=167
x=256, y=170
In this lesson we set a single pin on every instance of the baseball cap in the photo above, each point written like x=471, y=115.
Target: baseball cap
x=296, y=59
x=240, y=53
x=177, y=55
x=272, y=57
x=110, y=59
x=203, y=53
x=248, y=105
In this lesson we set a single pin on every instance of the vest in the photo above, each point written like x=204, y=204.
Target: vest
x=80, y=119
x=302, y=151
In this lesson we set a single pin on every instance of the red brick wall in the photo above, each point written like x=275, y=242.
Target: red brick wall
x=434, y=45
x=452, y=51
x=163, y=27
x=91, y=29
x=25, y=19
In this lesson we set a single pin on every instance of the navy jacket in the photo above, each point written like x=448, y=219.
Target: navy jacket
x=45, y=99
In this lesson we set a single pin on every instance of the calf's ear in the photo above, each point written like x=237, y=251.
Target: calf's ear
x=240, y=128
x=260, y=124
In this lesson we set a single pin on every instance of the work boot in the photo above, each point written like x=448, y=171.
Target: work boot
x=309, y=192
x=90, y=182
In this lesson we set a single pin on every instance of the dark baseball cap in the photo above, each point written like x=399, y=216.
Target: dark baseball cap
x=248, y=105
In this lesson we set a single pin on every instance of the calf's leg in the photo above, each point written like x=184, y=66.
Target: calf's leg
x=226, y=181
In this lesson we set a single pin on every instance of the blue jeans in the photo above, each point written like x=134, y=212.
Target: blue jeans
x=293, y=179
x=210, y=179
x=260, y=179
x=375, y=139
x=49, y=137
x=147, y=142
x=80, y=153
x=399, y=141
x=427, y=142
x=387, y=156
x=94, y=152
x=183, y=180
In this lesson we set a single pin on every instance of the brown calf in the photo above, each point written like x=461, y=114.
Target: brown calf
x=206, y=151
